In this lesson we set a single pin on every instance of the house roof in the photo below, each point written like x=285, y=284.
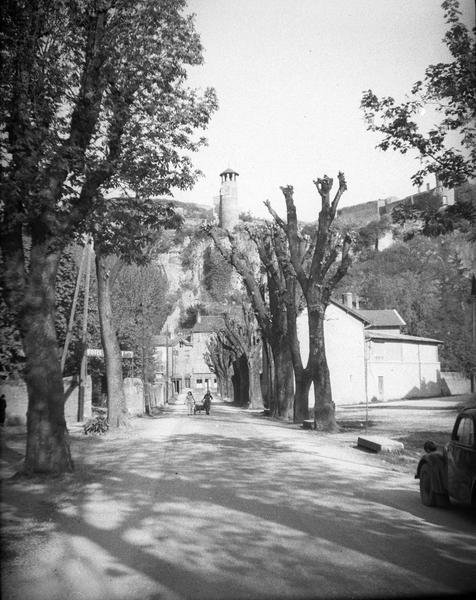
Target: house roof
x=374, y=318
x=382, y=318
x=351, y=311
x=400, y=337
x=208, y=324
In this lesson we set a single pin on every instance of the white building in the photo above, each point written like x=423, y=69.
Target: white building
x=370, y=359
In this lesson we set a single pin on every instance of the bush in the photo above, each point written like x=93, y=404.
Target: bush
x=97, y=425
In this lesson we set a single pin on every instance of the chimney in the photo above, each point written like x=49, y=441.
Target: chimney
x=357, y=302
x=347, y=299
x=199, y=317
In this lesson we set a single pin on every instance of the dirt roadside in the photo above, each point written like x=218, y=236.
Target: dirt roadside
x=412, y=422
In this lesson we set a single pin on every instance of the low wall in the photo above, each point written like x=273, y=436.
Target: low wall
x=17, y=400
x=454, y=384
x=133, y=388
x=134, y=395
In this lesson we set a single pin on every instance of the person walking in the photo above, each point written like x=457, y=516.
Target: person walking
x=190, y=402
x=207, y=401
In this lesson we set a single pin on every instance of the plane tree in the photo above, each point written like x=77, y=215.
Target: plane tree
x=241, y=336
x=219, y=358
x=93, y=97
x=273, y=250
x=267, y=304
x=318, y=272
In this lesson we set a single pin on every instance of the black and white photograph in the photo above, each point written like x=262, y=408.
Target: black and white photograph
x=238, y=299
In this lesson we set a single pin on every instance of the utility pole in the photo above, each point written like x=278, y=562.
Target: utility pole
x=69, y=331
x=84, y=338
x=144, y=391
x=167, y=366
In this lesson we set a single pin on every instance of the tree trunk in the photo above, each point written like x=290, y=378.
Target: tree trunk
x=254, y=363
x=244, y=381
x=283, y=381
x=301, y=396
x=267, y=377
x=47, y=446
x=324, y=407
x=116, y=399
x=302, y=376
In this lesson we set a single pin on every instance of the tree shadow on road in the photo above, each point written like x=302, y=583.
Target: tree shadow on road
x=228, y=515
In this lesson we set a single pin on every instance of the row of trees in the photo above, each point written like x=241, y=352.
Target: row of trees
x=93, y=99
x=293, y=267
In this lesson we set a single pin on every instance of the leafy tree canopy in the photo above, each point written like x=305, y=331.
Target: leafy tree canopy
x=449, y=88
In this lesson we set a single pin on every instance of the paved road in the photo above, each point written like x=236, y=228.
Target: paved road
x=232, y=506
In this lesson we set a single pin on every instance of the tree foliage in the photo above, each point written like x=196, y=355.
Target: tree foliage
x=448, y=88
x=426, y=281
x=141, y=303
x=93, y=97
x=434, y=221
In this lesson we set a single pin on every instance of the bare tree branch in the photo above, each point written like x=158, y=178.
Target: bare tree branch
x=275, y=215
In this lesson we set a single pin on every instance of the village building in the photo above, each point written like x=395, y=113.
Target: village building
x=180, y=358
x=369, y=357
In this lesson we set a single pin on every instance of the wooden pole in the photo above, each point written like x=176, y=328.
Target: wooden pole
x=69, y=331
x=84, y=338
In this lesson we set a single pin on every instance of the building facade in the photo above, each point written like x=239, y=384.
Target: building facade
x=369, y=357
x=180, y=358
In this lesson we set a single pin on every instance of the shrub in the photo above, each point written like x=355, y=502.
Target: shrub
x=97, y=425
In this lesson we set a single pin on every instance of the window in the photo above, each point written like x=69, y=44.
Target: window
x=465, y=433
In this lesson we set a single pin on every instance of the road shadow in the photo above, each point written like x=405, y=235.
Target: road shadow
x=233, y=514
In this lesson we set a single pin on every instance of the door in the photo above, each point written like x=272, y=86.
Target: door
x=461, y=457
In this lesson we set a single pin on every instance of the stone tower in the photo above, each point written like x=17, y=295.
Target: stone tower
x=228, y=210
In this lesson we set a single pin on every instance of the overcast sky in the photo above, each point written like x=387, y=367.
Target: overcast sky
x=289, y=75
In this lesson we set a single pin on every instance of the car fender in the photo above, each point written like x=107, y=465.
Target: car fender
x=439, y=476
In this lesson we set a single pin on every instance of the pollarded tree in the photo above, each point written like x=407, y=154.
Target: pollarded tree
x=273, y=250
x=242, y=333
x=93, y=96
x=318, y=275
x=267, y=303
x=220, y=360
x=449, y=89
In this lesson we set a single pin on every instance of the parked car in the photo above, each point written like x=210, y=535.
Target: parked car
x=451, y=472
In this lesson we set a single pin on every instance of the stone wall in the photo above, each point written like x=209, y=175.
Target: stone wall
x=135, y=400
x=454, y=384
x=17, y=400
x=134, y=395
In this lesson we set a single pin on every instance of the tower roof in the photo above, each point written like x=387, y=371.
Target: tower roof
x=228, y=171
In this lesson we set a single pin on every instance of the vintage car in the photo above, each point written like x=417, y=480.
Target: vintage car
x=451, y=472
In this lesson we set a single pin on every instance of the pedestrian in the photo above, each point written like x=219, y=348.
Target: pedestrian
x=3, y=408
x=207, y=401
x=190, y=400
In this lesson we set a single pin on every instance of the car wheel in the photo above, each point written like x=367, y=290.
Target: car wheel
x=427, y=494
